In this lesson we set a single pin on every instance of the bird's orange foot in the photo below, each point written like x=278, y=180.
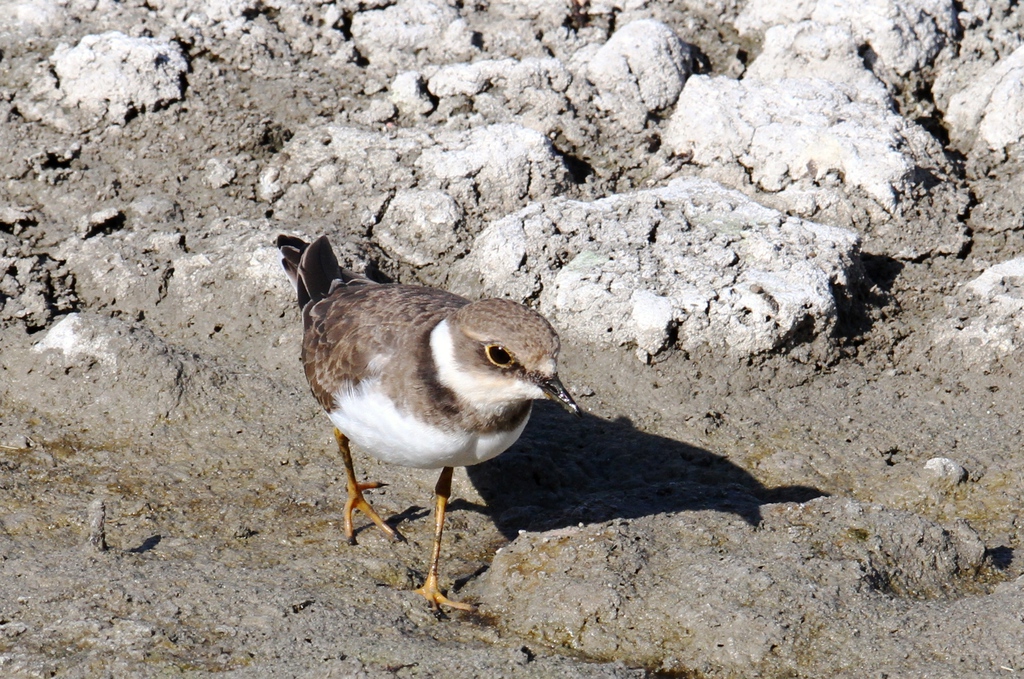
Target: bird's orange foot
x=432, y=594
x=357, y=501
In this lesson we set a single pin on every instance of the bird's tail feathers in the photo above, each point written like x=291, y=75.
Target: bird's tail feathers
x=313, y=268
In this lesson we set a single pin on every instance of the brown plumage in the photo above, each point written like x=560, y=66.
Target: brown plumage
x=415, y=375
x=349, y=321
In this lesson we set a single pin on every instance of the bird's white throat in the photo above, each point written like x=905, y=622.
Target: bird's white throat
x=485, y=389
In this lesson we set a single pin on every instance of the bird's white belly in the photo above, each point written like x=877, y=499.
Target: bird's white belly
x=371, y=421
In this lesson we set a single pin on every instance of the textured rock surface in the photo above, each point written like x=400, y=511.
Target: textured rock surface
x=724, y=614
x=640, y=70
x=815, y=147
x=111, y=74
x=409, y=94
x=976, y=97
x=985, y=323
x=811, y=49
x=398, y=34
x=692, y=264
x=331, y=170
x=989, y=111
x=904, y=36
x=108, y=77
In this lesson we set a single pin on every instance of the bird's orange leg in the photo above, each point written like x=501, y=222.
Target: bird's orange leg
x=355, y=495
x=429, y=590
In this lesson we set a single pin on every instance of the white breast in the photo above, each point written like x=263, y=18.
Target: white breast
x=371, y=421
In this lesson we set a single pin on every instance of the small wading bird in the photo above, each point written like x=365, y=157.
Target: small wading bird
x=417, y=376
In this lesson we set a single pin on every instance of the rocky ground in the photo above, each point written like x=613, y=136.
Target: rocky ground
x=782, y=243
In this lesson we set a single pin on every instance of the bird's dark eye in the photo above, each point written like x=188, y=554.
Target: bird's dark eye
x=498, y=355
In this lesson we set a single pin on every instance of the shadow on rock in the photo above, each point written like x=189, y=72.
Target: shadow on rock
x=859, y=307
x=564, y=471
x=147, y=545
x=1001, y=557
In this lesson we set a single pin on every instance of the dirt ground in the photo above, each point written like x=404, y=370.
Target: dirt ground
x=848, y=505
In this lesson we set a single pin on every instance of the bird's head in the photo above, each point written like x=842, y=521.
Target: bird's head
x=495, y=354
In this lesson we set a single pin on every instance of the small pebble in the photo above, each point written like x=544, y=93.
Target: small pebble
x=97, y=525
x=945, y=468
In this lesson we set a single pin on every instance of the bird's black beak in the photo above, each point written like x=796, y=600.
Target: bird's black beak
x=554, y=390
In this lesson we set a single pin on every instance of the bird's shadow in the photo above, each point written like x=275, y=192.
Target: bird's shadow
x=564, y=471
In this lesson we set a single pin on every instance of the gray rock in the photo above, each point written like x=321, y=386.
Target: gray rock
x=99, y=351
x=905, y=36
x=989, y=111
x=269, y=186
x=630, y=269
x=33, y=289
x=542, y=11
x=391, y=38
x=985, y=321
x=498, y=166
x=154, y=209
x=75, y=373
x=126, y=271
x=514, y=76
x=111, y=74
x=379, y=111
x=14, y=218
x=33, y=17
x=711, y=593
x=422, y=227
x=409, y=94
x=230, y=265
x=492, y=168
x=192, y=296
x=815, y=148
x=532, y=92
x=811, y=49
x=946, y=469
x=652, y=317
x=239, y=33
x=640, y=70
x=219, y=173
x=988, y=35
x=90, y=225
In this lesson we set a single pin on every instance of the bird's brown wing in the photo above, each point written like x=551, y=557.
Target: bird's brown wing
x=359, y=324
